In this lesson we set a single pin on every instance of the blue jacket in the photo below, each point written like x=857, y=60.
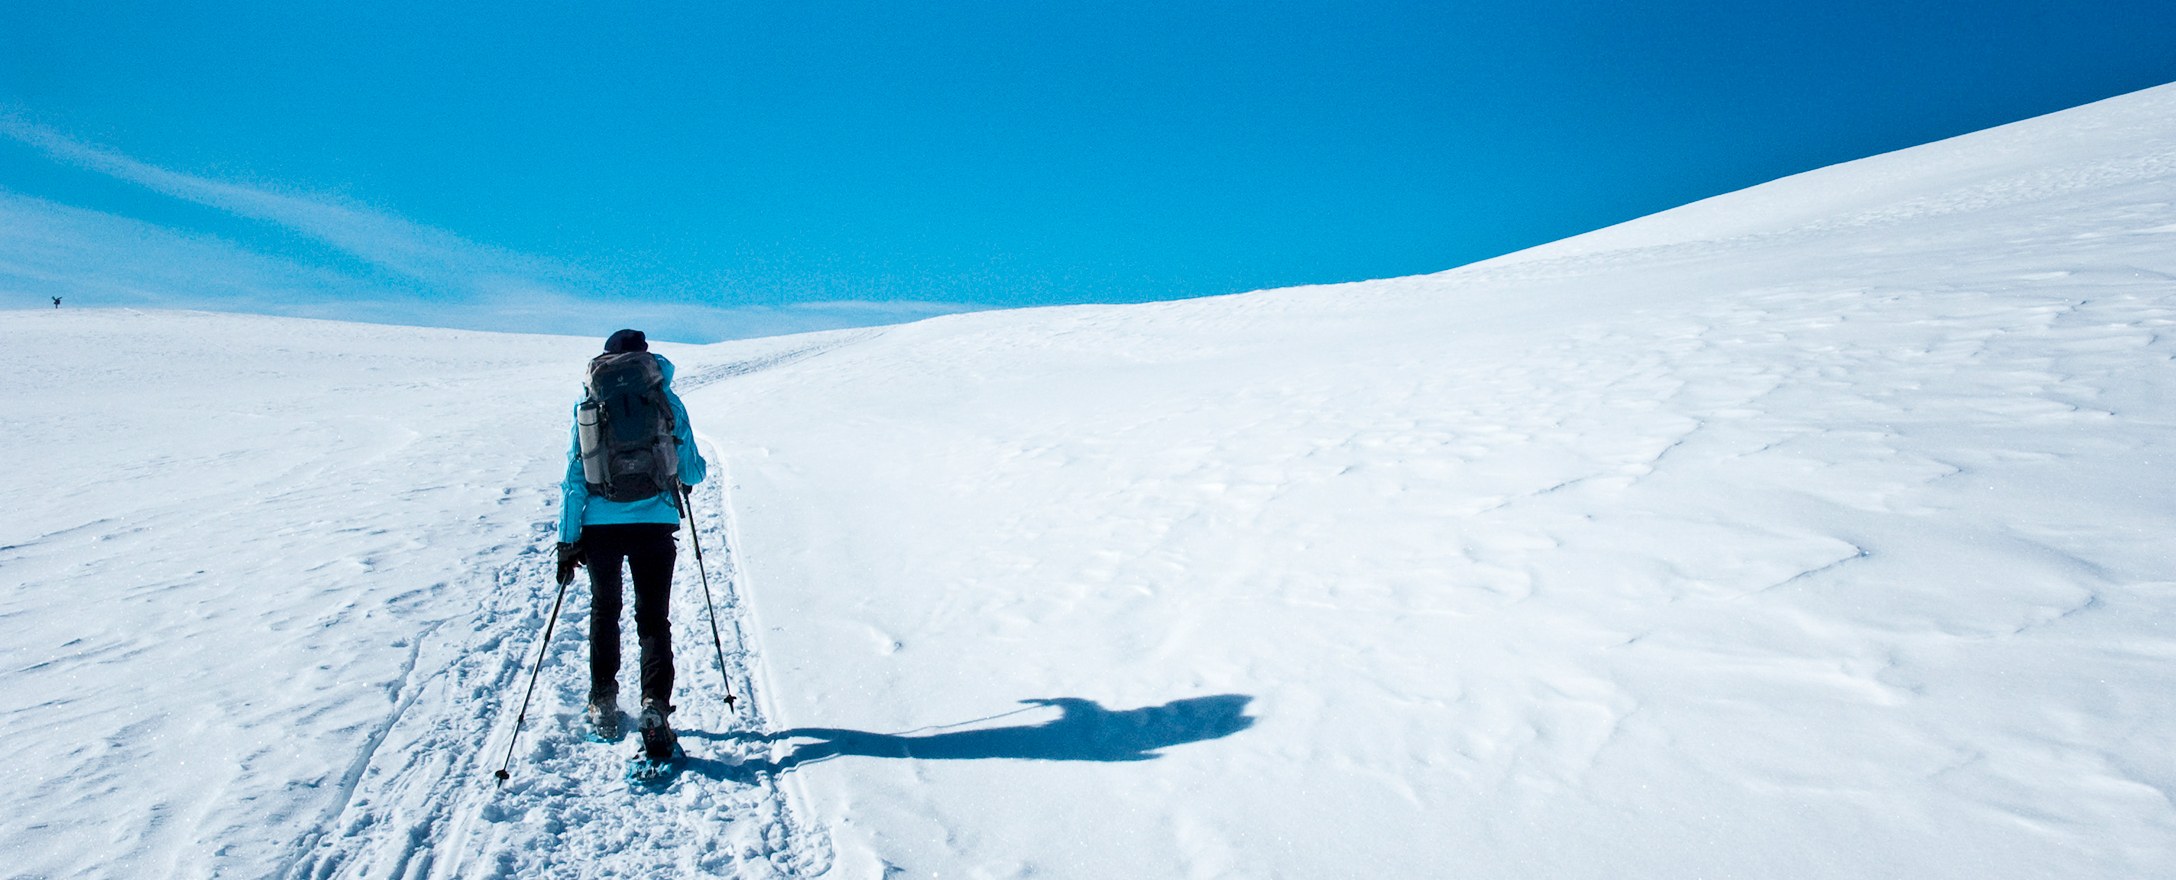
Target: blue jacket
x=578, y=508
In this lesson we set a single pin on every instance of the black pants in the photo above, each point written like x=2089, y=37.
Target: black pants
x=649, y=551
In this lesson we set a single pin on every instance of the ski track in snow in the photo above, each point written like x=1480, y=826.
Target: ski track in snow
x=422, y=801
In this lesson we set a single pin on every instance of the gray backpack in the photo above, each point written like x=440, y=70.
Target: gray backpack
x=629, y=452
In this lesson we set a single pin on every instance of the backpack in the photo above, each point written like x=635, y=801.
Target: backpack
x=625, y=427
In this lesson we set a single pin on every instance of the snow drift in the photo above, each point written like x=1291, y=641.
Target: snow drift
x=1815, y=530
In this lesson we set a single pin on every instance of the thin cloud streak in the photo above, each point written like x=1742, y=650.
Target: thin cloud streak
x=95, y=259
x=51, y=249
x=434, y=257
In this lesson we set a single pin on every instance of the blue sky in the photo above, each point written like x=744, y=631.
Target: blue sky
x=729, y=169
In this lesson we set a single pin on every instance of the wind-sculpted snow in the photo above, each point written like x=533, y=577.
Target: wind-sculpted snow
x=1830, y=545
x=1819, y=530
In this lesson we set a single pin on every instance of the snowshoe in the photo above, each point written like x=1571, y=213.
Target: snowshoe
x=653, y=766
x=646, y=773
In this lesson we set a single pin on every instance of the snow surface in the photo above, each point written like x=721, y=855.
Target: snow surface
x=1818, y=530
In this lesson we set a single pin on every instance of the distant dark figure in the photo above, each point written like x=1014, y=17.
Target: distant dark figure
x=56, y=302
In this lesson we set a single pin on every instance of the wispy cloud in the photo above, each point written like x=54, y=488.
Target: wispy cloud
x=888, y=306
x=419, y=274
x=433, y=257
x=552, y=312
x=49, y=249
x=92, y=258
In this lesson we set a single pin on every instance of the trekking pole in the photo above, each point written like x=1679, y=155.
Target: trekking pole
x=523, y=715
x=687, y=508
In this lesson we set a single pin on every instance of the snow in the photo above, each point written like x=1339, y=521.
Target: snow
x=1817, y=530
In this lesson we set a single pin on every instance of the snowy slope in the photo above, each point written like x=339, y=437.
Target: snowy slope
x=1816, y=543
x=1819, y=530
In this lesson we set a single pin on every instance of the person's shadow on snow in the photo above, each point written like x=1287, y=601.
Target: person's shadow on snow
x=1084, y=731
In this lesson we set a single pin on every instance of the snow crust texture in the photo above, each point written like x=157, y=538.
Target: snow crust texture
x=1819, y=530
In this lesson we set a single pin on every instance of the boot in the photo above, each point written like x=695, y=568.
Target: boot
x=604, y=716
x=658, y=741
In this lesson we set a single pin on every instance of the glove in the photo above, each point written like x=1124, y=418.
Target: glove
x=570, y=555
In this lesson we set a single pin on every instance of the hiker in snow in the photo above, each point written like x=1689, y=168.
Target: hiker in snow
x=633, y=455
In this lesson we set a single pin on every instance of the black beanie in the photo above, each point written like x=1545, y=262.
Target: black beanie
x=625, y=341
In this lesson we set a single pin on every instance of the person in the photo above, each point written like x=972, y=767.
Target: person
x=56, y=302
x=598, y=533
